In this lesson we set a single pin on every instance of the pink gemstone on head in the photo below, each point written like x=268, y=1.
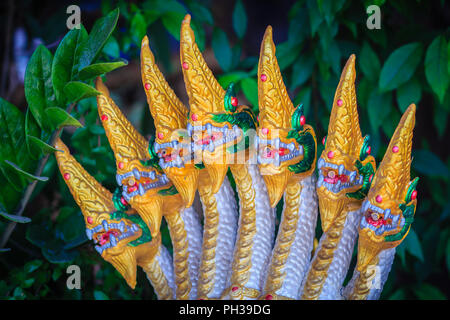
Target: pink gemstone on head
x=234, y=101
x=121, y=165
x=194, y=117
x=147, y=86
x=66, y=176
x=302, y=120
x=90, y=220
x=395, y=149
x=123, y=201
x=370, y=178
x=160, y=135
x=379, y=199
x=265, y=131
x=330, y=154
x=414, y=195
x=185, y=66
x=323, y=140
x=340, y=102
x=269, y=297
x=263, y=77
x=234, y=289
x=104, y=117
x=369, y=150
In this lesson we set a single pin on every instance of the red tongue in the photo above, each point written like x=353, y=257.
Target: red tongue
x=336, y=178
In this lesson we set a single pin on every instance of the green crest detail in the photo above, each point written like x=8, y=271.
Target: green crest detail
x=135, y=218
x=365, y=171
x=117, y=195
x=363, y=153
x=305, y=139
x=408, y=213
x=199, y=165
x=244, y=119
x=154, y=159
x=230, y=93
x=168, y=192
x=295, y=119
x=411, y=188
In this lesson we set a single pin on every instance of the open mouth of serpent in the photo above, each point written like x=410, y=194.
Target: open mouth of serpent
x=107, y=235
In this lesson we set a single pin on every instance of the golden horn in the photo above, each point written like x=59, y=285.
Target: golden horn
x=127, y=143
x=275, y=106
x=88, y=193
x=168, y=112
x=393, y=174
x=344, y=133
x=205, y=93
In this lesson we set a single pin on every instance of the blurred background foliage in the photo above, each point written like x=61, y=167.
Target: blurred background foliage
x=407, y=60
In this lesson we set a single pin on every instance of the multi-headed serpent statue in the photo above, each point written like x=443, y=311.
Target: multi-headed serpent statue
x=235, y=253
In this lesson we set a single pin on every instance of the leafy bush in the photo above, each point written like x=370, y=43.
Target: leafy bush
x=407, y=60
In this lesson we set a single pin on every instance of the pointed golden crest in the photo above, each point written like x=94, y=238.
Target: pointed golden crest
x=97, y=206
x=393, y=175
x=168, y=112
x=275, y=106
x=91, y=196
x=127, y=143
x=280, y=156
x=205, y=93
x=344, y=134
x=391, y=202
x=170, y=118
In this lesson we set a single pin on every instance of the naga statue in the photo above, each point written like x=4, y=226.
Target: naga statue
x=231, y=251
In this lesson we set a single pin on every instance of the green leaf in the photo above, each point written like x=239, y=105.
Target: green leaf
x=31, y=129
x=65, y=64
x=138, y=28
x=14, y=149
x=378, y=107
x=172, y=22
x=112, y=48
x=410, y=92
x=60, y=118
x=97, y=38
x=440, y=119
x=32, y=265
x=239, y=19
x=225, y=79
x=413, y=246
x=427, y=291
x=40, y=146
x=98, y=69
x=369, y=62
x=315, y=18
x=100, y=295
x=436, y=61
x=426, y=162
x=201, y=13
x=250, y=88
x=15, y=218
x=400, y=66
x=302, y=70
x=76, y=91
x=27, y=175
x=222, y=50
x=38, y=85
x=286, y=54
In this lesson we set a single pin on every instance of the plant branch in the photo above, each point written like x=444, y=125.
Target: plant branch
x=30, y=188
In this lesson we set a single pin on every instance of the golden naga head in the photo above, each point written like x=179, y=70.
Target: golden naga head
x=391, y=203
x=121, y=237
x=143, y=184
x=345, y=166
x=216, y=123
x=286, y=146
x=172, y=143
